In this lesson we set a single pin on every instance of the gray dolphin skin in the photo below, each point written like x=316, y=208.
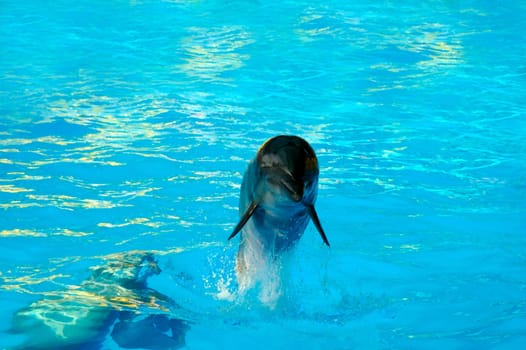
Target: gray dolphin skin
x=277, y=199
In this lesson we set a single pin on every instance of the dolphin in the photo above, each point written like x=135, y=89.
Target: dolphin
x=276, y=203
x=81, y=317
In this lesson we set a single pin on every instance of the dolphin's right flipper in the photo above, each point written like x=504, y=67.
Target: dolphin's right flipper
x=248, y=213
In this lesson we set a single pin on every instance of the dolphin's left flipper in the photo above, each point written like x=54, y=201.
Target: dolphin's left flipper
x=248, y=213
x=314, y=216
x=155, y=332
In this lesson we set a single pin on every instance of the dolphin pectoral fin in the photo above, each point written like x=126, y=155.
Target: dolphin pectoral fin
x=248, y=213
x=314, y=216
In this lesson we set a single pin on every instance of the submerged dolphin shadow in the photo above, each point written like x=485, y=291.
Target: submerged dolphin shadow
x=276, y=203
x=81, y=317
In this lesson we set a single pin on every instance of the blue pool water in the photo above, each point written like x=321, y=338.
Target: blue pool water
x=127, y=125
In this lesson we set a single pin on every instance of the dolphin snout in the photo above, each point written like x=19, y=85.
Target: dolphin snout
x=294, y=189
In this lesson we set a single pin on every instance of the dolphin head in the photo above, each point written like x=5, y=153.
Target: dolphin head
x=289, y=167
x=287, y=177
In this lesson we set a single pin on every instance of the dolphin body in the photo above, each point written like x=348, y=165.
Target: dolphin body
x=82, y=316
x=277, y=199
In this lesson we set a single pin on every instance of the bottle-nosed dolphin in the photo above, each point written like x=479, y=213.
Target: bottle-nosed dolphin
x=82, y=316
x=277, y=198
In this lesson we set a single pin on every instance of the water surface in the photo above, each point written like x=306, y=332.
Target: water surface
x=127, y=125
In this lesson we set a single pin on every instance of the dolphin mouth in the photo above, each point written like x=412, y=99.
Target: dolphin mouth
x=294, y=190
x=284, y=179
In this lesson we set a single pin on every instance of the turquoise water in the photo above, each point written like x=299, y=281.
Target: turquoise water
x=127, y=125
